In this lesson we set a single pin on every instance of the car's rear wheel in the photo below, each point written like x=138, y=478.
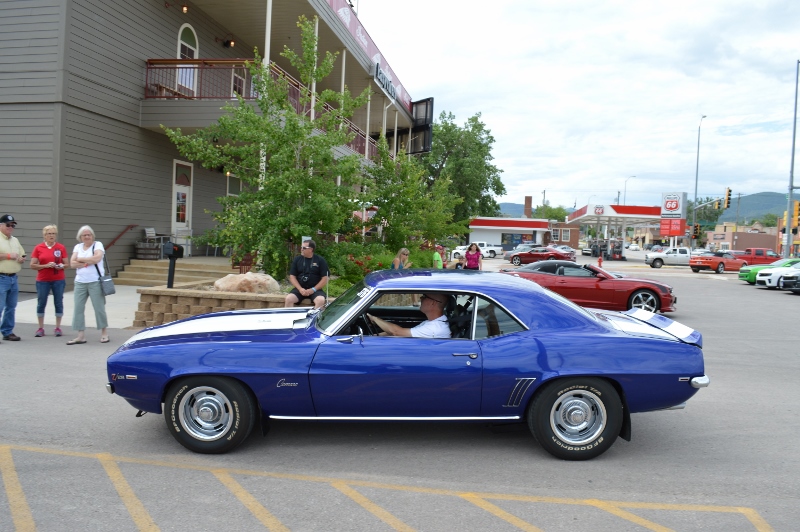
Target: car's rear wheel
x=645, y=300
x=210, y=415
x=657, y=263
x=516, y=261
x=720, y=268
x=492, y=254
x=456, y=255
x=577, y=418
x=695, y=270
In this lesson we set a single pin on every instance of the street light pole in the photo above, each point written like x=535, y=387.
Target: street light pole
x=625, y=193
x=696, y=174
x=787, y=248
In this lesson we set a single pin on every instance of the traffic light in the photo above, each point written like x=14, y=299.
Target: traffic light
x=727, y=201
x=716, y=205
x=696, y=231
x=796, y=216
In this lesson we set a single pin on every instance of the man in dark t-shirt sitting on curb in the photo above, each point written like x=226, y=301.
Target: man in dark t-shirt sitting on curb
x=309, y=275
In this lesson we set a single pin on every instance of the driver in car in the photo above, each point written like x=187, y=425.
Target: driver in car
x=435, y=327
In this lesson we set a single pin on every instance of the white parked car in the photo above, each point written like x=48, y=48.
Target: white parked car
x=773, y=277
x=633, y=247
x=487, y=250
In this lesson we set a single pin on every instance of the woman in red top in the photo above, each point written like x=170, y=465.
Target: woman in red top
x=50, y=259
x=474, y=258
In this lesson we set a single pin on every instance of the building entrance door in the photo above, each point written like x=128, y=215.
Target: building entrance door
x=182, y=205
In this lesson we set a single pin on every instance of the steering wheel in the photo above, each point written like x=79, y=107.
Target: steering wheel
x=369, y=325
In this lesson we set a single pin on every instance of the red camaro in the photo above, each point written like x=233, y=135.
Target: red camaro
x=540, y=253
x=590, y=286
x=721, y=261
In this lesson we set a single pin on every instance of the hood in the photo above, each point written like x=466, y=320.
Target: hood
x=638, y=322
x=264, y=320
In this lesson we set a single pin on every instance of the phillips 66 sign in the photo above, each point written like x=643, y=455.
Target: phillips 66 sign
x=673, y=213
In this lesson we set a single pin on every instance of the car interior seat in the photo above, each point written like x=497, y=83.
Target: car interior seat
x=460, y=320
x=560, y=270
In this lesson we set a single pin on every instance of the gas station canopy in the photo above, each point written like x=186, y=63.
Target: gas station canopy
x=615, y=215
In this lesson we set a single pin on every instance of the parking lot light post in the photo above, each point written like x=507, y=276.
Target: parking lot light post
x=696, y=174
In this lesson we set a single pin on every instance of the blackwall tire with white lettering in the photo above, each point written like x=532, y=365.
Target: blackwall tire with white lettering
x=576, y=418
x=210, y=415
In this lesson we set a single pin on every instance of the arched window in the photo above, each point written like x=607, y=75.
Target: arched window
x=187, y=49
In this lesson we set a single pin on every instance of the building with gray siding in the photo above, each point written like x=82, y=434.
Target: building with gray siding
x=85, y=86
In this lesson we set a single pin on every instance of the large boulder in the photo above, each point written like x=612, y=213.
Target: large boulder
x=254, y=283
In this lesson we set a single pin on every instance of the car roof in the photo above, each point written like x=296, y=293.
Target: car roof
x=447, y=280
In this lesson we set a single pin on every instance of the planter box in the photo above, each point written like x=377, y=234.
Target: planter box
x=159, y=304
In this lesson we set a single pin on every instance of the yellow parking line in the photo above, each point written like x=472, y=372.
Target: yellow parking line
x=499, y=512
x=135, y=507
x=20, y=511
x=371, y=507
x=250, y=502
x=749, y=513
x=615, y=510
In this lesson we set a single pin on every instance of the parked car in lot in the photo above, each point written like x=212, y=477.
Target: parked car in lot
x=520, y=247
x=539, y=253
x=590, y=286
x=517, y=353
x=487, y=250
x=748, y=273
x=791, y=281
x=773, y=277
x=753, y=256
x=672, y=257
x=633, y=247
x=720, y=261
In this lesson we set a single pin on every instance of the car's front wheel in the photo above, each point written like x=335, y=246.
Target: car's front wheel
x=577, y=418
x=210, y=415
x=516, y=261
x=657, y=263
x=645, y=300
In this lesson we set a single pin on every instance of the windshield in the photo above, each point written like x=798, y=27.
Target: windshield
x=339, y=306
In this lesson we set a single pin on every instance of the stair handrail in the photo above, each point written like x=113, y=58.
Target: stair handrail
x=128, y=228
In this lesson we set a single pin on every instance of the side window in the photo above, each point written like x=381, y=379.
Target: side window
x=547, y=267
x=759, y=253
x=493, y=321
x=187, y=49
x=572, y=271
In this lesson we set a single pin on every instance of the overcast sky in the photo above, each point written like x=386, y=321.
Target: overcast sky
x=580, y=95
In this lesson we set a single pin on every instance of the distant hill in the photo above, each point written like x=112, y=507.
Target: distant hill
x=754, y=206
x=750, y=208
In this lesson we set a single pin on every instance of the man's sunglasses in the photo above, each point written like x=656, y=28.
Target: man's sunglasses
x=306, y=247
x=12, y=226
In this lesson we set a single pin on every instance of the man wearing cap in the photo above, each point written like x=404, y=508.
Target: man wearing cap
x=435, y=327
x=11, y=258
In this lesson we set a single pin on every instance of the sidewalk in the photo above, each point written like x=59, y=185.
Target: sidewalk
x=120, y=310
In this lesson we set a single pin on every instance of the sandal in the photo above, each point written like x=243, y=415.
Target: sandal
x=104, y=339
x=76, y=341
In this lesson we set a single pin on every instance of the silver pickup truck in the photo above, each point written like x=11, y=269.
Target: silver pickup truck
x=670, y=257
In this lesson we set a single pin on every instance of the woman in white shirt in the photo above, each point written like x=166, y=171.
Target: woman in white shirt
x=87, y=259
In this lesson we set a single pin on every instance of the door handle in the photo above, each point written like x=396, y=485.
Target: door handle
x=473, y=356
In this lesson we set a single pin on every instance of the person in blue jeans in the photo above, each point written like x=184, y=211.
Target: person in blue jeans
x=50, y=259
x=12, y=256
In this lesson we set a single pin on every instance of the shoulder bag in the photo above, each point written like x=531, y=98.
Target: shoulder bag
x=106, y=282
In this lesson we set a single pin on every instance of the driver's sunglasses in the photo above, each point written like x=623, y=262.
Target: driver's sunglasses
x=305, y=247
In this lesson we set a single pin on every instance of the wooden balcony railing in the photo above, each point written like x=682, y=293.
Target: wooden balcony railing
x=223, y=79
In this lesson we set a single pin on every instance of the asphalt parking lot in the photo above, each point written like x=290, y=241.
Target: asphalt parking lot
x=73, y=457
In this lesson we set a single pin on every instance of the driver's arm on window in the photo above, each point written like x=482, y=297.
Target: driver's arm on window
x=390, y=328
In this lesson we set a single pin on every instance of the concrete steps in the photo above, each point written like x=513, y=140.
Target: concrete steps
x=155, y=272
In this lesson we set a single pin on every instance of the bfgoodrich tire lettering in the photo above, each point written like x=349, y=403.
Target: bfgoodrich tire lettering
x=210, y=415
x=577, y=418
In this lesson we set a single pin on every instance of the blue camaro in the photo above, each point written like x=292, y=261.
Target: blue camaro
x=515, y=353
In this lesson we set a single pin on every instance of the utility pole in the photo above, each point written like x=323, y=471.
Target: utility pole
x=738, y=201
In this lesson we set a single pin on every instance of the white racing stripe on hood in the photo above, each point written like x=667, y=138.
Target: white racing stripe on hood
x=678, y=330
x=245, y=321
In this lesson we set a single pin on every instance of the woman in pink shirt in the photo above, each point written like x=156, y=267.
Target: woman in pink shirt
x=50, y=259
x=474, y=258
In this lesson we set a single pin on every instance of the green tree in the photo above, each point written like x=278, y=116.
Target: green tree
x=770, y=220
x=285, y=158
x=463, y=155
x=409, y=209
x=707, y=215
x=551, y=213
